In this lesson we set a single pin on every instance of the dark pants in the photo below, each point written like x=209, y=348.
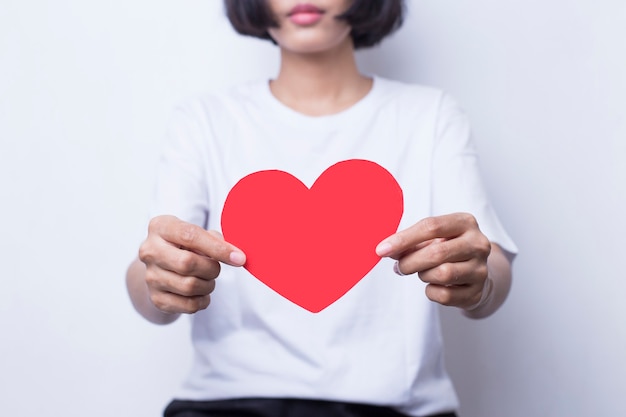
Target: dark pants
x=264, y=407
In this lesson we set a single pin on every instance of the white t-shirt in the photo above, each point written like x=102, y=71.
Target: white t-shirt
x=380, y=343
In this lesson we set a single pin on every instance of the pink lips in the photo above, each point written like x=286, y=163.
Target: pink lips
x=305, y=14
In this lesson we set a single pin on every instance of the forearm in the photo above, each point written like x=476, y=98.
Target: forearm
x=499, y=268
x=140, y=297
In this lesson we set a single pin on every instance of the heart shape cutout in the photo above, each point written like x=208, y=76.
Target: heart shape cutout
x=313, y=245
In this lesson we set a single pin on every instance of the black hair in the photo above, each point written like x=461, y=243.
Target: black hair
x=371, y=20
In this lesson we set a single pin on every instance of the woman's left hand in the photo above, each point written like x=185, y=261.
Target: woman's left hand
x=448, y=252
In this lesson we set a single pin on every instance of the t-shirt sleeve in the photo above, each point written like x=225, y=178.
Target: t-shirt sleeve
x=181, y=185
x=457, y=182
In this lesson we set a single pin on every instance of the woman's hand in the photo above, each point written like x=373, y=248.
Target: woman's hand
x=182, y=261
x=449, y=253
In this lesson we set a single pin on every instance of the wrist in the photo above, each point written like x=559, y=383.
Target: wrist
x=485, y=297
x=495, y=288
x=483, y=307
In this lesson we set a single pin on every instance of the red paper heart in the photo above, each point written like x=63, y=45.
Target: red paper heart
x=313, y=245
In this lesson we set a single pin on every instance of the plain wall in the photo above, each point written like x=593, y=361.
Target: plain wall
x=86, y=89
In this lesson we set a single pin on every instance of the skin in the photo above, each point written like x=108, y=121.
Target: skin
x=178, y=262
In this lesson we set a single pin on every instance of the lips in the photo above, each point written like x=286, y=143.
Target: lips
x=305, y=8
x=305, y=14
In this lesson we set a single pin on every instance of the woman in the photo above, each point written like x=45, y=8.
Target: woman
x=377, y=350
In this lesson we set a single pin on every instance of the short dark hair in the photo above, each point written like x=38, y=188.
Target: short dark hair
x=371, y=20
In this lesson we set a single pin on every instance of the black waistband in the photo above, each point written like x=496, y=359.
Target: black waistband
x=271, y=407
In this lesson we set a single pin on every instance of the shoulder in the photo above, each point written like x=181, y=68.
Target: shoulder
x=214, y=104
x=408, y=93
x=418, y=102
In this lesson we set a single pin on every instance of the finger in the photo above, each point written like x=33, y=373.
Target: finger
x=446, y=226
x=187, y=286
x=438, y=252
x=180, y=261
x=457, y=296
x=471, y=272
x=216, y=234
x=196, y=239
x=175, y=304
x=417, y=247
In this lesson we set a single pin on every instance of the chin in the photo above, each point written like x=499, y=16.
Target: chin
x=312, y=44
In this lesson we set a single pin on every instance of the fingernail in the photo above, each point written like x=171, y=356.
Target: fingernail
x=383, y=249
x=238, y=258
x=396, y=269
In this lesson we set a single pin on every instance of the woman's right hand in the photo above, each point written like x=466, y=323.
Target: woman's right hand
x=182, y=262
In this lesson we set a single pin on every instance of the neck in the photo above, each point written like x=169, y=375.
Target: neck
x=319, y=84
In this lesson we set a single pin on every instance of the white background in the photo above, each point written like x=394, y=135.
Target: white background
x=85, y=92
